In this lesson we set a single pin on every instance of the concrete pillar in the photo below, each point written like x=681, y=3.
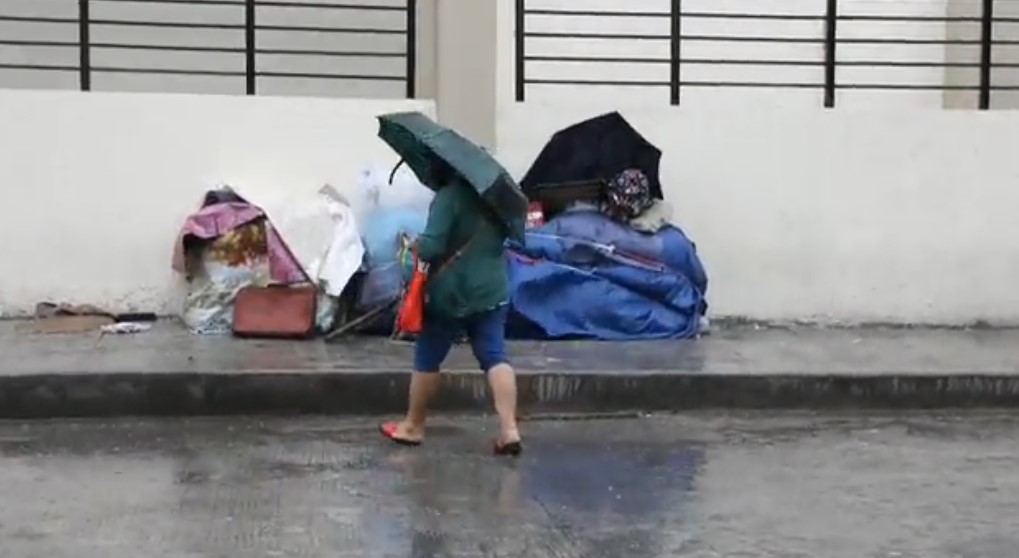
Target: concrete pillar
x=427, y=56
x=955, y=54
x=466, y=66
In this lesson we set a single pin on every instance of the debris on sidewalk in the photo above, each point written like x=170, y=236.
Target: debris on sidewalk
x=66, y=318
x=57, y=318
x=125, y=328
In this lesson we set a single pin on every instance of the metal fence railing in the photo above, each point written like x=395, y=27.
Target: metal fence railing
x=827, y=50
x=245, y=26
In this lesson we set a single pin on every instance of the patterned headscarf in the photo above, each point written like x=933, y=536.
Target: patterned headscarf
x=629, y=195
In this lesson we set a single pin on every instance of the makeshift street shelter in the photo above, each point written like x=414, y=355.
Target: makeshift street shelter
x=595, y=150
x=584, y=276
x=231, y=244
x=604, y=261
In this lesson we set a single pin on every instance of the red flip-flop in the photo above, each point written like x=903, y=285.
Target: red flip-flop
x=388, y=430
x=512, y=449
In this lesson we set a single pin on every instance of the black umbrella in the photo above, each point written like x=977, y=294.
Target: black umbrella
x=594, y=150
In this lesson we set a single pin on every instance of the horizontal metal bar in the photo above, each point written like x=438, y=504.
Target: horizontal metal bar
x=266, y=3
x=764, y=39
x=324, y=6
x=666, y=83
x=166, y=24
x=240, y=26
x=719, y=61
x=592, y=13
x=241, y=73
x=844, y=41
x=919, y=19
x=769, y=85
x=754, y=16
x=709, y=15
x=41, y=67
x=600, y=59
x=337, y=53
x=36, y=19
x=634, y=36
x=752, y=39
x=166, y=71
x=352, y=77
x=350, y=30
x=121, y=46
x=224, y=50
x=167, y=48
x=907, y=87
x=766, y=16
x=687, y=83
x=908, y=64
x=618, y=83
x=189, y=2
x=750, y=62
x=762, y=62
x=719, y=38
x=880, y=41
x=20, y=42
x=753, y=84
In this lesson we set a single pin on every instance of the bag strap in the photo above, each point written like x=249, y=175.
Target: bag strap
x=459, y=251
x=455, y=256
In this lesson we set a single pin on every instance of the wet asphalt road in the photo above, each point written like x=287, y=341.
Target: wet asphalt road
x=704, y=485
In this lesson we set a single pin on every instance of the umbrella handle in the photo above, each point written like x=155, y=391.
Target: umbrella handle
x=396, y=168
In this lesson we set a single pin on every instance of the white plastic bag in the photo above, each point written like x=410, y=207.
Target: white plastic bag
x=343, y=256
x=405, y=191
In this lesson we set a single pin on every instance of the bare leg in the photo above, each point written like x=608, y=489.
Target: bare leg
x=423, y=386
x=504, y=390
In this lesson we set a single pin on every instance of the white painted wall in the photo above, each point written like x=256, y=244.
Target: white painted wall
x=94, y=186
x=898, y=212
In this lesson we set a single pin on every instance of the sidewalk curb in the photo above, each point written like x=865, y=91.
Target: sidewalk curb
x=375, y=392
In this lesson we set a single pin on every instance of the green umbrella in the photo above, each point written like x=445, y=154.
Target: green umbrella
x=438, y=154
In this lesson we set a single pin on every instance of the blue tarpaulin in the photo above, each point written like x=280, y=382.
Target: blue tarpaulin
x=584, y=276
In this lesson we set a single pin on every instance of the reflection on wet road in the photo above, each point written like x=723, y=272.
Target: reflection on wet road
x=704, y=485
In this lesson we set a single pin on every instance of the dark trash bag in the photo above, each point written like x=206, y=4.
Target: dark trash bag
x=594, y=150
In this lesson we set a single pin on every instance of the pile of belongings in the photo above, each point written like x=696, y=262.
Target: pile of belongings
x=605, y=261
x=395, y=214
x=592, y=250
x=231, y=246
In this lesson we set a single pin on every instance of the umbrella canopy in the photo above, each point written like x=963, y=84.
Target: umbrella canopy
x=594, y=150
x=438, y=154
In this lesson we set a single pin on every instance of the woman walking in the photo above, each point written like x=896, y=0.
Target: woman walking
x=467, y=292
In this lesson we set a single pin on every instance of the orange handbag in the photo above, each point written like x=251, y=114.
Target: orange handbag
x=410, y=319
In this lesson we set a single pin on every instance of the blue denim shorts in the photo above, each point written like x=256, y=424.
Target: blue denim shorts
x=486, y=332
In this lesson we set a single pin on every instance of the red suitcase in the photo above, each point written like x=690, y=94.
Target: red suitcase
x=275, y=312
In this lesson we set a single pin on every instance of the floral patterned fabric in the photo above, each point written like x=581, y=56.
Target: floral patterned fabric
x=240, y=249
x=216, y=220
x=629, y=195
x=237, y=259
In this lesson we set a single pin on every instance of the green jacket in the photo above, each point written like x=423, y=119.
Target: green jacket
x=477, y=280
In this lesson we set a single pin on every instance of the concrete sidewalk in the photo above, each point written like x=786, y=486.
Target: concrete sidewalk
x=168, y=371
